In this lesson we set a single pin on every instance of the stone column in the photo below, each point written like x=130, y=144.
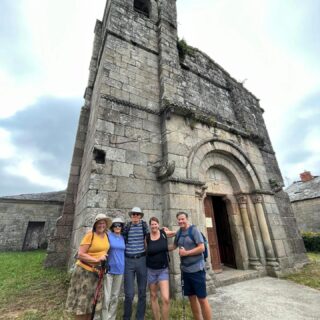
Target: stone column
x=271, y=259
x=253, y=259
x=200, y=194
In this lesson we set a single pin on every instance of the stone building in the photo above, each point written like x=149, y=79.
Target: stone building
x=305, y=200
x=26, y=220
x=166, y=128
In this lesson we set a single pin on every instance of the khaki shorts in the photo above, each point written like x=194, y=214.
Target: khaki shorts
x=81, y=292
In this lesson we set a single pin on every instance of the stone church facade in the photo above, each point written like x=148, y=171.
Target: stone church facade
x=167, y=129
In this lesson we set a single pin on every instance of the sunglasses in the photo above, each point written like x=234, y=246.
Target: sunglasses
x=117, y=225
x=135, y=214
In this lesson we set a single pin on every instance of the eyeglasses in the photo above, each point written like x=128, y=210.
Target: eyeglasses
x=117, y=225
x=135, y=214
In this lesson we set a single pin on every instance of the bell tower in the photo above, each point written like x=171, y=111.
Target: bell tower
x=118, y=149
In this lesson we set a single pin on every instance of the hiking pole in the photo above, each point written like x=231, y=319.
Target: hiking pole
x=182, y=291
x=96, y=296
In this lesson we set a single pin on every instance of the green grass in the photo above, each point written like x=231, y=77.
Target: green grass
x=310, y=274
x=30, y=292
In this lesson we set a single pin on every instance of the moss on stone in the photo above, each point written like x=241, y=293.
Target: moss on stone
x=184, y=49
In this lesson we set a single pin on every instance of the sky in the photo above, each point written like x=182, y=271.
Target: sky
x=272, y=46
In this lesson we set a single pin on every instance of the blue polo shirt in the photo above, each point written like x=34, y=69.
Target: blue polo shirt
x=116, y=253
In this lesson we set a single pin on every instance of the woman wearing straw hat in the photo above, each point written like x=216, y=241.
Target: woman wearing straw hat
x=113, y=280
x=92, y=251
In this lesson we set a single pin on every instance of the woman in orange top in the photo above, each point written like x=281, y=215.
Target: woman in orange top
x=93, y=249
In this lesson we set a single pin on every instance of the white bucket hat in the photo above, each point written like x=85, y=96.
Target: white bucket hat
x=102, y=216
x=117, y=220
x=136, y=210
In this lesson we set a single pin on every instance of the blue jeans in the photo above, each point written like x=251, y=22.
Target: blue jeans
x=138, y=268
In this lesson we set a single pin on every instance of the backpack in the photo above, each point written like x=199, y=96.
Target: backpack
x=190, y=235
x=127, y=228
x=162, y=234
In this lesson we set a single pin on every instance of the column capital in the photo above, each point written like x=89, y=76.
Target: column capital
x=242, y=199
x=200, y=191
x=256, y=198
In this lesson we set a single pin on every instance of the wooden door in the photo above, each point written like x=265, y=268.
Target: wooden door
x=223, y=232
x=212, y=235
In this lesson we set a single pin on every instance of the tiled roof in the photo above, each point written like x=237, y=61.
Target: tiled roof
x=48, y=196
x=304, y=190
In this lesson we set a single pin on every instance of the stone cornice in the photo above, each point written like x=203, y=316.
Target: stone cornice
x=255, y=192
x=128, y=104
x=211, y=119
x=206, y=117
x=184, y=181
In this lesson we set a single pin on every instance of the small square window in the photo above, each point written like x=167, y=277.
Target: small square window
x=142, y=6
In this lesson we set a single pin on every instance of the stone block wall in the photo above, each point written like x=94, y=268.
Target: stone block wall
x=15, y=216
x=307, y=214
x=132, y=148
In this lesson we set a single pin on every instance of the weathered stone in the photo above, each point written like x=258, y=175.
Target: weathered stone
x=133, y=185
x=122, y=169
x=152, y=106
x=115, y=154
x=135, y=157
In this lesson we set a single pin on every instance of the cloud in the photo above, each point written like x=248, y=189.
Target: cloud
x=18, y=65
x=45, y=49
x=37, y=143
x=15, y=53
x=300, y=145
x=275, y=46
x=14, y=185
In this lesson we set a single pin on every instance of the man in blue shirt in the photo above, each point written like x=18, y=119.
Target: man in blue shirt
x=192, y=267
x=134, y=234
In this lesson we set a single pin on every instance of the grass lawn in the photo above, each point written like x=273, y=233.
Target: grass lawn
x=310, y=274
x=30, y=292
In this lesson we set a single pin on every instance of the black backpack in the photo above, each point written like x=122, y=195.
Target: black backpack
x=190, y=235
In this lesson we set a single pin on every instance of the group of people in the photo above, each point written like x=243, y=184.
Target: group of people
x=137, y=252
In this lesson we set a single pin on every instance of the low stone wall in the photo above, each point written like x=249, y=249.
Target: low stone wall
x=307, y=213
x=16, y=215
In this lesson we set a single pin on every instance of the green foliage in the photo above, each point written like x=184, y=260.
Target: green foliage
x=311, y=241
x=310, y=274
x=184, y=49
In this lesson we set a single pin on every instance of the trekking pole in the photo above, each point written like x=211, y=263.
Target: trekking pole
x=182, y=291
x=96, y=296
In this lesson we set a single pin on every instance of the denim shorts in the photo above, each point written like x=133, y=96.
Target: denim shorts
x=195, y=284
x=156, y=275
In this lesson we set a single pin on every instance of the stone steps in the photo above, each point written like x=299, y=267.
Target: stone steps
x=231, y=276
